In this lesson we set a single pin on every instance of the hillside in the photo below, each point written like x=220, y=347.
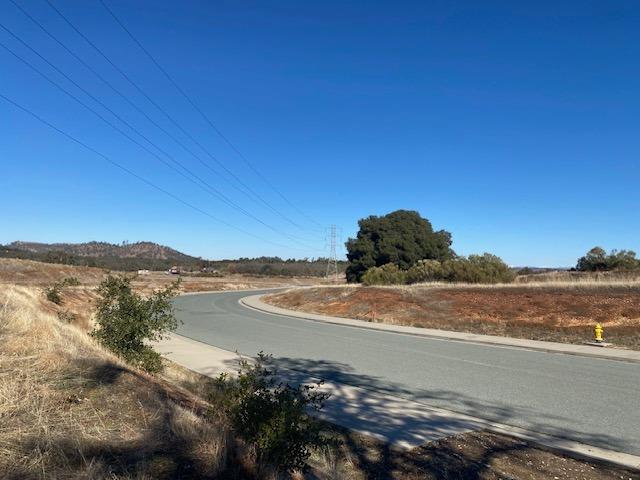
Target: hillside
x=125, y=257
x=152, y=256
x=104, y=249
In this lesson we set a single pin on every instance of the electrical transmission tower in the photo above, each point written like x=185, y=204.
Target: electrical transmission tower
x=332, y=263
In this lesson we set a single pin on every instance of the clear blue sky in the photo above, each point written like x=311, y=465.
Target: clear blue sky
x=514, y=125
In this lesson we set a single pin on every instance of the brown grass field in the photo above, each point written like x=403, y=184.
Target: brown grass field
x=71, y=410
x=552, y=311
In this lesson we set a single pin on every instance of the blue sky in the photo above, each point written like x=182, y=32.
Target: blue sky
x=514, y=125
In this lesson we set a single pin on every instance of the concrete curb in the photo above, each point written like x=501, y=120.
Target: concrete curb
x=254, y=302
x=429, y=423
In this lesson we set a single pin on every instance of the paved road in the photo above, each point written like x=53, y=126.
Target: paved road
x=591, y=400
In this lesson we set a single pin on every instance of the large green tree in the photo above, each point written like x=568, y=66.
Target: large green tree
x=402, y=237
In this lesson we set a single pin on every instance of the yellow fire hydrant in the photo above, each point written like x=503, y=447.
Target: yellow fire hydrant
x=597, y=332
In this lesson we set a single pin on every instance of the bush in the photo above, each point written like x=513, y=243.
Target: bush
x=71, y=282
x=125, y=320
x=53, y=293
x=425, y=271
x=388, y=274
x=485, y=268
x=272, y=418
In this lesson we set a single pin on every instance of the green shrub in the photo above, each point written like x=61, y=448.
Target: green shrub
x=70, y=282
x=485, y=268
x=125, y=321
x=271, y=417
x=388, y=274
x=53, y=293
x=425, y=271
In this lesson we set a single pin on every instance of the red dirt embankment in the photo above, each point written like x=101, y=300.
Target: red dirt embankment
x=553, y=313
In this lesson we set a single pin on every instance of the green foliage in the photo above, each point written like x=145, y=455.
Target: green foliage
x=402, y=237
x=53, y=292
x=425, y=271
x=388, y=274
x=125, y=321
x=71, y=282
x=272, y=417
x=484, y=268
x=597, y=260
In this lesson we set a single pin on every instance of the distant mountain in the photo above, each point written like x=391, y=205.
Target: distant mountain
x=148, y=250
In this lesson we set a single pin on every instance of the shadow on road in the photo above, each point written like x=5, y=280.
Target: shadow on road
x=400, y=415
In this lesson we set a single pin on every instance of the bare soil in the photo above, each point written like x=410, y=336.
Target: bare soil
x=552, y=313
x=471, y=456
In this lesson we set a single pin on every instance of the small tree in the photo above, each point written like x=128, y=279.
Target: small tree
x=53, y=292
x=272, y=417
x=125, y=321
x=593, y=261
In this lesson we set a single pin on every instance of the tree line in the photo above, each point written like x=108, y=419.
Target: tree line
x=597, y=260
x=403, y=248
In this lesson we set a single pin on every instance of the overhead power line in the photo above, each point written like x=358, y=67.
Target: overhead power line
x=204, y=115
x=190, y=176
x=133, y=174
x=247, y=188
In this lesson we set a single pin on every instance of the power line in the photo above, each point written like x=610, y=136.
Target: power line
x=168, y=116
x=132, y=173
x=198, y=181
x=204, y=115
x=244, y=189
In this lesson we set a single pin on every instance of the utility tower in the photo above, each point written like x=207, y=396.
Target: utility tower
x=332, y=263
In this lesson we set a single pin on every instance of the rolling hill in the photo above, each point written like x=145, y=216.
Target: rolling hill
x=104, y=249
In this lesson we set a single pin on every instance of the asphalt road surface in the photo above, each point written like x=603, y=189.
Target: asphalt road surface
x=595, y=401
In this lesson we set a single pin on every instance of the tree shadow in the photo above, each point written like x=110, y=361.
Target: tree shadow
x=401, y=418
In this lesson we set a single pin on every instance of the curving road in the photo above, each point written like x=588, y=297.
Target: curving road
x=591, y=400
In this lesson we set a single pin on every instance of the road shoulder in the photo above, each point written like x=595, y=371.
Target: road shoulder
x=255, y=302
x=376, y=413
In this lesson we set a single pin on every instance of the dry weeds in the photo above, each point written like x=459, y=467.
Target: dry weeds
x=564, y=313
x=69, y=409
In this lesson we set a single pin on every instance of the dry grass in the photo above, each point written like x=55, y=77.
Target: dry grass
x=564, y=313
x=68, y=409
x=561, y=277
x=38, y=274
